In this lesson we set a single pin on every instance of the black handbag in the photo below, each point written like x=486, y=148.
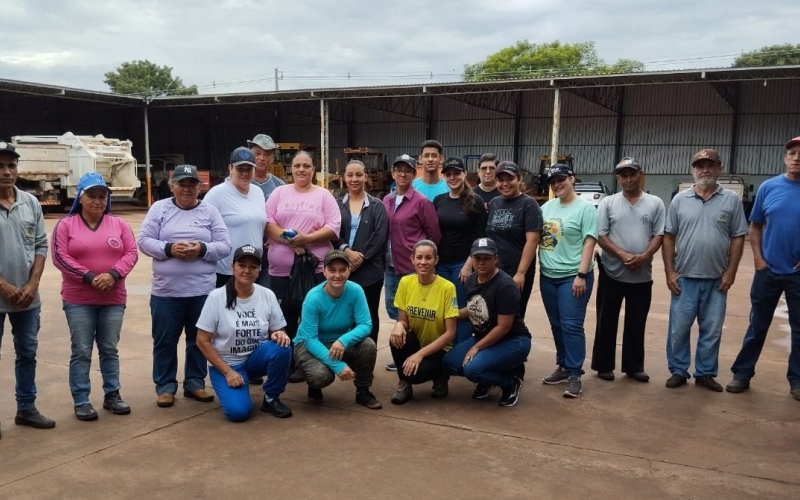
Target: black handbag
x=301, y=280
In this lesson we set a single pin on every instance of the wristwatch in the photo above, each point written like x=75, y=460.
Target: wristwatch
x=581, y=275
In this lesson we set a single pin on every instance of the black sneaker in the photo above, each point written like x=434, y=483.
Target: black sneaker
x=314, y=396
x=795, y=392
x=481, y=391
x=256, y=380
x=510, y=394
x=709, y=383
x=276, y=407
x=113, y=402
x=609, y=376
x=675, y=381
x=574, y=388
x=365, y=398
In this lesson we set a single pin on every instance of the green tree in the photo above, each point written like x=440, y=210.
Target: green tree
x=773, y=55
x=146, y=78
x=531, y=60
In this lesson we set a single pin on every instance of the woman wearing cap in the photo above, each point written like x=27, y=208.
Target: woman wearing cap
x=515, y=224
x=310, y=213
x=565, y=259
x=186, y=238
x=362, y=237
x=241, y=334
x=333, y=338
x=462, y=219
x=500, y=341
x=426, y=325
x=94, y=251
x=241, y=205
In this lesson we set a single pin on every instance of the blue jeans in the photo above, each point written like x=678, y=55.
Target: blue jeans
x=450, y=271
x=89, y=324
x=170, y=317
x=764, y=295
x=494, y=365
x=24, y=329
x=699, y=299
x=268, y=359
x=390, y=283
x=567, y=314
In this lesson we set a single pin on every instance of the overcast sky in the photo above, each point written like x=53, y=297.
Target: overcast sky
x=234, y=45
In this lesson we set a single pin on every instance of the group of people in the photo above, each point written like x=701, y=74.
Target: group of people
x=456, y=266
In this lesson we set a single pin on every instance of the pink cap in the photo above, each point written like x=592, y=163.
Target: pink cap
x=794, y=142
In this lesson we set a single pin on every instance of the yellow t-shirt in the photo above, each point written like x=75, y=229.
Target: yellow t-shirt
x=427, y=306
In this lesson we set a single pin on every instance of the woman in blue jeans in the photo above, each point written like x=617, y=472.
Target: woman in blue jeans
x=567, y=274
x=462, y=219
x=241, y=334
x=500, y=342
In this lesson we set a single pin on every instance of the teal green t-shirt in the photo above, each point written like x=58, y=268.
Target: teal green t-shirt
x=565, y=230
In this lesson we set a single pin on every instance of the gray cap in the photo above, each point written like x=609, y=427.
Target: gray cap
x=263, y=141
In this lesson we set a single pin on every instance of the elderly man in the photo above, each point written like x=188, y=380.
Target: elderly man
x=703, y=243
x=631, y=229
x=775, y=239
x=23, y=249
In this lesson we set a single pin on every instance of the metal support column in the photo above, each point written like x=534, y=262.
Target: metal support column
x=428, y=117
x=323, y=140
x=148, y=183
x=518, y=129
x=735, y=129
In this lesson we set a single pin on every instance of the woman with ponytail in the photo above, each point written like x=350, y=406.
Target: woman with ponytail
x=462, y=220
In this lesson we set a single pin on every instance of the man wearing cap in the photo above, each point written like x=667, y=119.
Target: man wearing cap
x=487, y=189
x=431, y=185
x=23, y=249
x=775, y=240
x=412, y=217
x=702, y=246
x=631, y=227
x=264, y=149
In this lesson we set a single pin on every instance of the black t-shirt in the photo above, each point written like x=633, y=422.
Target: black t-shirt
x=508, y=221
x=486, y=301
x=459, y=228
x=486, y=197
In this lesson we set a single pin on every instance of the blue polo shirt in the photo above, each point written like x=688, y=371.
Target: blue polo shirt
x=777, y=206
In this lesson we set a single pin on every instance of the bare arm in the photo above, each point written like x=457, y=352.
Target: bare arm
x=668, y=253
x=756, y=231
x=28, y=291
x=734, y=257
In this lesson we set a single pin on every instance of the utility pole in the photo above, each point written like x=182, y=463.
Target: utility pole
x=276, y=79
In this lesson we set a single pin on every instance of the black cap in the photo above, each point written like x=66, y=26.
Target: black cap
x=627, y=162
x=336, y=255
x=454, y=162
x=243, y=156
x=485, y=246
x=9, y=148
x=185, y=172
x=405, y=159
x=558, y=170
x=247, y=251
x=508, y=167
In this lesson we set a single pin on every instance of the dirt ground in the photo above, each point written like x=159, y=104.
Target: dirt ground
x=622, y=439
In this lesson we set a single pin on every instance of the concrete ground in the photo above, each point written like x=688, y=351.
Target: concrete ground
x=622, y=439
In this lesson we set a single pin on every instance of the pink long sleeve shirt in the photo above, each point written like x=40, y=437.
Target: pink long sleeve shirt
x=81, y=253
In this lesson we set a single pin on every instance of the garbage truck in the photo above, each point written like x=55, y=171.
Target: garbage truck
x=50, y=165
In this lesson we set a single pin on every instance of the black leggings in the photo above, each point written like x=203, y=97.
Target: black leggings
x=373, y=293
x=430, y=367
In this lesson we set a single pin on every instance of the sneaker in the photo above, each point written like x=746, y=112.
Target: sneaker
x=256, y=380
x=795, y=392
x=85, y=412
x=33, y=419
x=559, y=376
x=481, y=391
x=165, y=400
x=440, y=386
x=639, y=376
x=113, y=402
x=510, y=394
x=298, y=375
x=574, y=388
x=391, y=367
x=403, y=394
x=201, y=395
x=709, y=383
x=609, y=376
x=276, y=407
x=365, y=398
x=738, y=385
x=314, y=396
x=675, y=381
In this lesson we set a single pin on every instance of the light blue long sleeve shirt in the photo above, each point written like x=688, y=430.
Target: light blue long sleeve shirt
x=326, y=319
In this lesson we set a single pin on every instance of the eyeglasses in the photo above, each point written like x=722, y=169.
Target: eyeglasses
x=403, y=171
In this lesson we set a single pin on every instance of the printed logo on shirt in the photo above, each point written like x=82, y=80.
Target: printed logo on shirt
x=478, y=310
x=551, y=234
x=645, y=219
x=301, y=206
x=248, y=332
x=196, y=223
x=503, y=218
x=723, y=217
x=114, y=242
x=421, y=313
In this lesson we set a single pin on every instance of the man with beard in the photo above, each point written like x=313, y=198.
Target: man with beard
x=703, y=243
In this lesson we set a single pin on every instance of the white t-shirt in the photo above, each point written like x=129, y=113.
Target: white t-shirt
x=237, y=332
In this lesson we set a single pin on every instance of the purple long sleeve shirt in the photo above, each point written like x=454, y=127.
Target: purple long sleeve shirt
x=167, y=223
x=414, y=219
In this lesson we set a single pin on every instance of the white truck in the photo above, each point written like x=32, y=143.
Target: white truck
x=738, y=184
x=50, y=166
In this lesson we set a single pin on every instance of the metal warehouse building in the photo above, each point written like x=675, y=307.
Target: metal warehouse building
x=661, y=118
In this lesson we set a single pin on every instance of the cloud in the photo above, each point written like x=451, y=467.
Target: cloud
x=234, y=45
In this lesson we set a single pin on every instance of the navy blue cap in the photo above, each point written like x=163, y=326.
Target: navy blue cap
x=456, y=163
x=247, y=251
x=243, y=156
x=558, y=170
x=6, y=147
x=508, y=167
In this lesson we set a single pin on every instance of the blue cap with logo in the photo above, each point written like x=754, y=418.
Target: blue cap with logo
x=88, y=181
x=558, y=170
x=243, y=156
